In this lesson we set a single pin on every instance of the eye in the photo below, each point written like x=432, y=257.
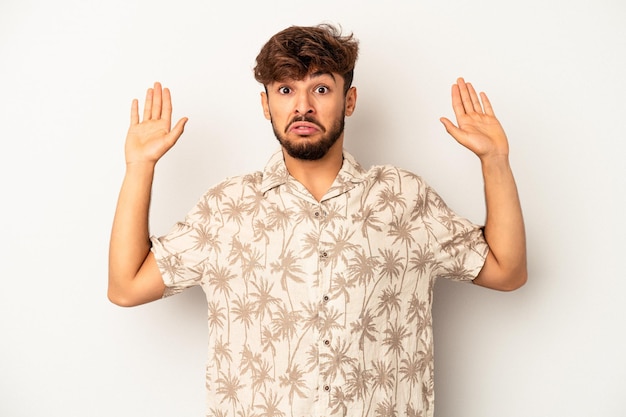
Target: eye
x=322, y=89
x=284, y=90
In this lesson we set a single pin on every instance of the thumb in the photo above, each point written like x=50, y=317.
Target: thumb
x=174, y=134
x=458, y=134
x=178, y=129
x=450, y=127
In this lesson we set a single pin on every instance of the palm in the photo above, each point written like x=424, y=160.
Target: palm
x=150, y=139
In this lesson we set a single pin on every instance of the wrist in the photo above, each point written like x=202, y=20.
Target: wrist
x=140, y=168
x=496, y=171
x=497, y=160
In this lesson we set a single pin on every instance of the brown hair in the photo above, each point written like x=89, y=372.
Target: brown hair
x=298, y=51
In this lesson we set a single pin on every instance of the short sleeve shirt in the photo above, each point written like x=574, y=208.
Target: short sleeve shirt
x=320, y=308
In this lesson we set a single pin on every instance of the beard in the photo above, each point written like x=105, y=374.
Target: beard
x=305, y=149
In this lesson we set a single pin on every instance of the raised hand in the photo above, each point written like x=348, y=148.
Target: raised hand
x=148, y=140
x=478, y=128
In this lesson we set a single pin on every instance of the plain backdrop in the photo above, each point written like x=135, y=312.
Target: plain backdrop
x=555, y=72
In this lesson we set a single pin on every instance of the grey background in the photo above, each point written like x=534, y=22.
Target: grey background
x=554, y=70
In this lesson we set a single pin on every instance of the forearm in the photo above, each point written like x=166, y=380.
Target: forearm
x=504, y=227
x=130, y=243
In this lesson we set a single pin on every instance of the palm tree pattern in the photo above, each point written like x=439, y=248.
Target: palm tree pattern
x=320, y=308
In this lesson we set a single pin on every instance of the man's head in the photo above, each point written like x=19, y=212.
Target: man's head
x=307, y=73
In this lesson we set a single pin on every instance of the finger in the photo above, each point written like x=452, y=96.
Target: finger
x=134, y=112
x=474, y=97
x=174, y=134
x=458, y=134
x=487, y=105
x=166, y=113
x=457, y=102
x=465, y=96
x=178, y=129
x=450, y=127
x=156, y=101
x=147, y=107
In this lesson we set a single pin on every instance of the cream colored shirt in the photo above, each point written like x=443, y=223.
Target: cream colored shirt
x=320, y=308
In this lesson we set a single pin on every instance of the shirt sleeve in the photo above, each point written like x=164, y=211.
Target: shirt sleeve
x=459, y=245
x=178, y=259
x=183, y=254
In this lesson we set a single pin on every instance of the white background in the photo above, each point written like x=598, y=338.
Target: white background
x=554, y=69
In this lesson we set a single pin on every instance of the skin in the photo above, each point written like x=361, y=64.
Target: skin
x=321, y=97
x=479, y=130
x=134, y=277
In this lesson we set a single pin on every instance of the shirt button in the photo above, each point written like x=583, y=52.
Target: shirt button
x=325, y=298
x=324, y=254
x=326, y=387
x=317, y=214
x=327, y=342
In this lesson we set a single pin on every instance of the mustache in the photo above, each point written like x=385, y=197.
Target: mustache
x=305, y=118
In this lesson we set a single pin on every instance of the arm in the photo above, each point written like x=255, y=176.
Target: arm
x=479, y=131
x=134, y=277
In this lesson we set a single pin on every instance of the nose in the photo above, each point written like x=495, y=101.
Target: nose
x=303, y=103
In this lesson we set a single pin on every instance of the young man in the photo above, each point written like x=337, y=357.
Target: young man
x=318, y=274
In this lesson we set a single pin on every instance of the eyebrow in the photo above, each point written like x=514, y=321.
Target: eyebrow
x=321, y=73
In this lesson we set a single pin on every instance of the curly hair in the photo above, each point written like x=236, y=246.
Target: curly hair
x=298, y=51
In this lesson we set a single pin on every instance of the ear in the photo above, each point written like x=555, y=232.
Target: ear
x=350, y=101
x=266, y=106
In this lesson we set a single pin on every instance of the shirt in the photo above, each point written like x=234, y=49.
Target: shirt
x=320, y=308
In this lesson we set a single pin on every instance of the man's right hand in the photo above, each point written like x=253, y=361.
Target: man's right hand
x=148, y=140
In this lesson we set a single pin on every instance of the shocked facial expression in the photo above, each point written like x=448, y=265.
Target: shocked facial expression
x=308, y=115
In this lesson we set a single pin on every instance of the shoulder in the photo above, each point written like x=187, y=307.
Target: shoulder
x=390, y=175
x=234, y=187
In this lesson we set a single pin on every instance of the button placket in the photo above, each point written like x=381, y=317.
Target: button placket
x=325, y=341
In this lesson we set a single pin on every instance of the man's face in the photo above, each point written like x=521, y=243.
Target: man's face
x=308, y=115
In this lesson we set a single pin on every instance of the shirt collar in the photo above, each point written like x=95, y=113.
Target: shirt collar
x=275, y=174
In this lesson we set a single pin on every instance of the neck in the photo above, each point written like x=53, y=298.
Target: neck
x=317, y=176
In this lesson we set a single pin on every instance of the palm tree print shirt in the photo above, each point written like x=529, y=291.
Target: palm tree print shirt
x=320, y=308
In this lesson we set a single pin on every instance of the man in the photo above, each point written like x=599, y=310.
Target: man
x=318, y=274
